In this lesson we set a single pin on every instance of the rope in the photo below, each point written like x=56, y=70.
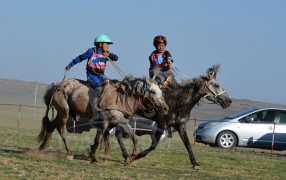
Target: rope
x=65, y=75
x=116, y=67
x=176, y=69
x=176, y=73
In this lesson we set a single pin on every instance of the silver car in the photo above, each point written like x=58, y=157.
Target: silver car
x=251, y=128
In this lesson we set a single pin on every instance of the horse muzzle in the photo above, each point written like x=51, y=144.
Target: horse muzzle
x=163, y=108
x=224, y=101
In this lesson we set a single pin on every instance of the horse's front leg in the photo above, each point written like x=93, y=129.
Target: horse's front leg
x=126, y=128
x=181, y=128
x=99, y=133
x=155, y=141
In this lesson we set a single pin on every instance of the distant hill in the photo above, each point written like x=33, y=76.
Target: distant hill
x=16, y=92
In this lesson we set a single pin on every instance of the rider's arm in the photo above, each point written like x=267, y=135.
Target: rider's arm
x=168, y=56
x=80, y=58
x=150, y=60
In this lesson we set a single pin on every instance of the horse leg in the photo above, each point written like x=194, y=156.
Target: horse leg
x=61, y=128
x=99, y=133
x=181, y=128
x=118, y=135
x=63, y=112
x=127, y=130
x=155, y=141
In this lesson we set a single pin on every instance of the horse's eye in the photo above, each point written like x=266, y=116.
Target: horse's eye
x=153, y=92
x=216, y=86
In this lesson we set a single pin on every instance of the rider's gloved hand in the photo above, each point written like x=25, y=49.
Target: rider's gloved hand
x=68, y=68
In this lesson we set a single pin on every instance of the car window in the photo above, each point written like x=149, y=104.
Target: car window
x=266, y=116
x=242, y=113
x=269, y=116
x=282, y=117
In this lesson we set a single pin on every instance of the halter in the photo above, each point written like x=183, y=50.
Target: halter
x=142, y=96
x=211, y=90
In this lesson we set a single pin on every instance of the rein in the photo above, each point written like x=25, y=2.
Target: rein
x=116, y=67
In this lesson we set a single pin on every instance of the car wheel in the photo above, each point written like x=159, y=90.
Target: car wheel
x=164, y=136
x=112, y=131
x=226, y=140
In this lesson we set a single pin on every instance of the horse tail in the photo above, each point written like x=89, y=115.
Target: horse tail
x=105, y=143
x=49, y=93
x=47, y=125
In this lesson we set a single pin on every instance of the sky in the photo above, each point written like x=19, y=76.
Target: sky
x=247, y=37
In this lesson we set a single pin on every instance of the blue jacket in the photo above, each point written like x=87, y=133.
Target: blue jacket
x=96, y=60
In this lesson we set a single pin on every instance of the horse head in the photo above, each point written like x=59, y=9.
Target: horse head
x=151, y=95
x=148, y=93
x=212, y=90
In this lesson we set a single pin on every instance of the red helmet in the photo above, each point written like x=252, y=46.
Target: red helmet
x=159, y=39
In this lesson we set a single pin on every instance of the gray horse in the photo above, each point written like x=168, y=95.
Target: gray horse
x=72, y=97
x=181, y=99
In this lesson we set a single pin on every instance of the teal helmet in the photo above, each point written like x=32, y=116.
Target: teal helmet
x=102, y=39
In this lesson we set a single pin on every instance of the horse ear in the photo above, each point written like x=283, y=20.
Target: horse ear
x=147, y=80
x=211, y=75
x=212, y=71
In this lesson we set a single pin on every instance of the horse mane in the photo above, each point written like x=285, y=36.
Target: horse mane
x=130, y=84
x=180, y=95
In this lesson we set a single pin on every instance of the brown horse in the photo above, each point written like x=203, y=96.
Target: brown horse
x=181, y=99
x=72, y=96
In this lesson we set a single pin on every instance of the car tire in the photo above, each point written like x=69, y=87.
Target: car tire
x=164, y=136
x=226, y=140
x=112, y=131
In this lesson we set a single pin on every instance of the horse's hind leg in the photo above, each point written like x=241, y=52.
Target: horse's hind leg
x=61, y=128
x=63, y=113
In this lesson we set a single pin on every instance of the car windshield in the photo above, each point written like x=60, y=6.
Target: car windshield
x=242, y=113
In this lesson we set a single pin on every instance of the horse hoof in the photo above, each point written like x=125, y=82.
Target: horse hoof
x=69, y=157
x=127, y=162
x=93, y=162
x=196, y=167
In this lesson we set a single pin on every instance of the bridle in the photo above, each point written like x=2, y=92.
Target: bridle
x=215, y=95
x=142, y=96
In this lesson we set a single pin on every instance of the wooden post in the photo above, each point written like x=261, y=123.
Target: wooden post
x=19, y=115
x=195, y=125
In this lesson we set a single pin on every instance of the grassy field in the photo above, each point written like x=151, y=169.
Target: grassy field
x=19, y=157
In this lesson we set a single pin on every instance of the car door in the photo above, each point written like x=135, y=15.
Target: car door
x=280, y=130
x=257, y=128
